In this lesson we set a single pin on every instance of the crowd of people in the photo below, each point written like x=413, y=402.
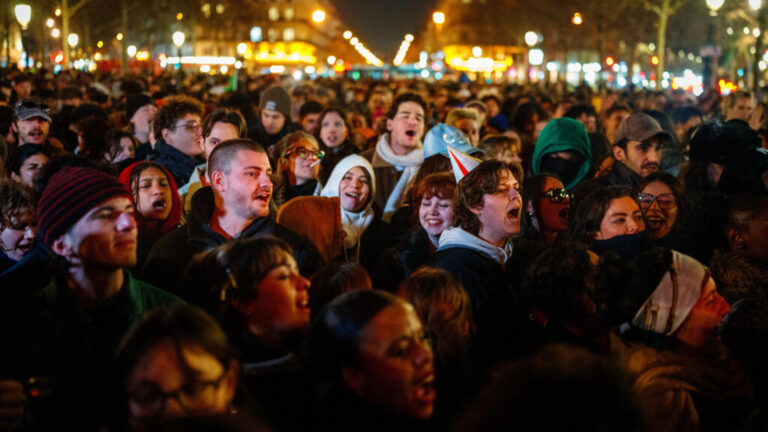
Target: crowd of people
x=179, y=253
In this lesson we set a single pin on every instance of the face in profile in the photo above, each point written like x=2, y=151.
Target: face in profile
x=354, y=189
x=171, y=381
x=699, y=330
x=394, y=368
x=622, y=217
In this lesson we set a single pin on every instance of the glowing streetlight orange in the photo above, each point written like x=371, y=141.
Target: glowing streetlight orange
x=438, y=17
x=577, y=19
x=318, y=16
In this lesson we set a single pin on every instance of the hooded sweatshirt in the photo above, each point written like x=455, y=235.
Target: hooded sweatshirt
x=560, y=135
x=458, y=238
x=353, y=223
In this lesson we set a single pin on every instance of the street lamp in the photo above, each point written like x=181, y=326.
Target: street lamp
x=131, y=50
x=531, y=38
x=318, y=16
x=438, y=17
x=23, y=14
x=710, y=67
x=72, y=40
x=55, y=33
x=178, y=40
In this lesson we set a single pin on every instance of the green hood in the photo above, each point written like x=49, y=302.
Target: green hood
x=561, y=135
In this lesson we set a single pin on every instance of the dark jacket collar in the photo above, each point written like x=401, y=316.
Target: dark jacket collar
x=621, y=175
x=199, y=226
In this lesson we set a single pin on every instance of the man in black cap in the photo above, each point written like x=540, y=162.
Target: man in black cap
x=636, y=151
x=32, y=124
x=139, y=110
x=274, y=118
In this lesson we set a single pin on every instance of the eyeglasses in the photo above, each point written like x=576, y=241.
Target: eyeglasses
x=665, y=200
x=557, y=195
x=191, y=126
x=191, y=395
x=303, y=153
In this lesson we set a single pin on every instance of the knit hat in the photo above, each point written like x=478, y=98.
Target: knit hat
x=718, y=143
x=69, y=195
x=276, y=99
x=134, y=102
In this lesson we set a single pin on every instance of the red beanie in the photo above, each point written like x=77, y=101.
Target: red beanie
x=69, y=195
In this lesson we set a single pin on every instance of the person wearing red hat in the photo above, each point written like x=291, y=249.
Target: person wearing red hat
x=65, y=335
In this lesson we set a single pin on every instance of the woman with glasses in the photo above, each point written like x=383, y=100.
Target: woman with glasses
x=336, y=139
x=366, y=236
x=175, y=362
x=297, y=167
x=375, y=362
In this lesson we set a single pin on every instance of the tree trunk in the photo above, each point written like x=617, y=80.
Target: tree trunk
x=661, y=42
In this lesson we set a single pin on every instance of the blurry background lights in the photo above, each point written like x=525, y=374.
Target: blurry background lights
x=347, y=34
x=438, y=17
x=531, y=38
x=23, y=14
x=72, y=39
x=331, y=59
x=57, y=12
x=714, y=5
x=242, y=47
x=577, y=19
x=755, y=4
x=49, y=23
x=55, y=33
x=354, y=41
x=477, y=51
x=119, y=36
x=178, y=38
x=609, y=61
x=318, y=16
x=409, y=37
x=535, y=57
x=131, y=50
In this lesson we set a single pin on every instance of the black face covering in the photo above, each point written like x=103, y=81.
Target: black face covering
x=626, y=246
x=566, y=169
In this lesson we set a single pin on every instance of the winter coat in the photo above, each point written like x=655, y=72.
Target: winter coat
x=738, y=277
x=172, y=253
x=179, y=164
x=72, y=347
x=397, y=263
x=680, y=392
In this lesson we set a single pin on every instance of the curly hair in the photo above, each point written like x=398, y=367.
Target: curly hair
x=175, y=108
x=483, y=180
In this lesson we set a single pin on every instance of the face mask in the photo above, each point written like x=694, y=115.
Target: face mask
x=566, y=169
x=626, y=246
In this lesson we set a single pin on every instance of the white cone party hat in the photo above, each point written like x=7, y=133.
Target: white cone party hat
x=462, y=163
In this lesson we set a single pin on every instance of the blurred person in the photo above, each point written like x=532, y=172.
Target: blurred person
x=235, y=206
x=22, y=87
x=737, y=106
x=585, y=114
x=334, y=280
x=432, y=206
x=178, y=133
x=612, y=118
x=398, y=153
x=92, y=138
x=140, y=111
x=25, y=162
x=158, y=207
x=32, y=124
x=274, y=120
x=175, y=362
x=336, y=139
x=86, y=218
x=309, y=116
x=121, y=147
x=18, y=223
x=501, y=147
x=467, y=121
x=374, y=356
x=686, y=119
x=672, y=309
x=366, y=236
x=297, y=167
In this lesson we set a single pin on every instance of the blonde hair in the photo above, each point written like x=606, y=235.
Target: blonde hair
x=457, y=114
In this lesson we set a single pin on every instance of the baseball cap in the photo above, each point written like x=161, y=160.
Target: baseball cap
x=27, y=108
x=641, y=127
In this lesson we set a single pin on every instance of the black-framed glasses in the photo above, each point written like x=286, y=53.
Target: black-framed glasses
x=666, y=200
x=303, y=153
x=558, y=195
x=191, y=395
x=190, y=126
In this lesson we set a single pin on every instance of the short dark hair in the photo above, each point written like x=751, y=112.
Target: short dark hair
x=684, y=113
x=310, y=107
x=743, y=208
x=221, y=157
x=224, y=115
x=578, y=110
x=114, y=137
x=336, y=279
x=588, y=215
x=22, y=153
x=403, y=98
x=175, y=108
x=482, y=180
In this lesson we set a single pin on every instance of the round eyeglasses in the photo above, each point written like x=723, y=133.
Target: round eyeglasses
x=303, y=153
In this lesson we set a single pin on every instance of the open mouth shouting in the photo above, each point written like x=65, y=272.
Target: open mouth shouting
x=563, y=215
x=655, y=221
x=424, y=390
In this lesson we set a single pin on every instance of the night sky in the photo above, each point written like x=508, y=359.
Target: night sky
x=381, y=24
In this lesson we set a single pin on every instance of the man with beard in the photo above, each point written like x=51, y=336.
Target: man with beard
x=32, y=124
x=636, y=151
x=235, y=205
x=60, y=340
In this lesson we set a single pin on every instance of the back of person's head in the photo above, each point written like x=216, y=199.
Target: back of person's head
x=579, y=110
x=560, y=388
x=495, y=146
x=335, y=279
x=744, y=332
x=93, y=131
x=222, y=156
x=482, y=180
x=443, y=306
x=310, y=107
x=681, y=115
x=175, y=108
x=557, y=282
x=224, y=115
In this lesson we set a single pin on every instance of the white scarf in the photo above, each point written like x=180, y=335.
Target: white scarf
x=409, y=164
x=354, y=225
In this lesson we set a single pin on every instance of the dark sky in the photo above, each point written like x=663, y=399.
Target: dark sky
x=381, y=24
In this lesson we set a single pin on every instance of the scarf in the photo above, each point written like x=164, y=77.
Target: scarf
x=354, y=225
x=408, y=164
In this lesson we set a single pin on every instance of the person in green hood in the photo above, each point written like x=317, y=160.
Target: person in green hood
x=563, y=149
